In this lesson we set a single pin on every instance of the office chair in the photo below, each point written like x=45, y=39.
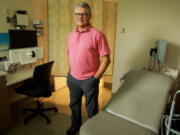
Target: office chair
x=38, y=86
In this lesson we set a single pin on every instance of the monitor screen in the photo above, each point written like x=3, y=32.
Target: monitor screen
x=22, y=39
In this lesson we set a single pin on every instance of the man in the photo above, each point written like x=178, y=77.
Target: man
x=86, y=45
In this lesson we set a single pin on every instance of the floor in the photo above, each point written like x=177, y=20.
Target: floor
x=61, y=120
x=61, y=97
x=37, y=126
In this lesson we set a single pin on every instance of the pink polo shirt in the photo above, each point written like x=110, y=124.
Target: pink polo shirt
x=84, y=51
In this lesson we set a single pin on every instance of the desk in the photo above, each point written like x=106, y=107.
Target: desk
x=6, y=80
x=19, y=75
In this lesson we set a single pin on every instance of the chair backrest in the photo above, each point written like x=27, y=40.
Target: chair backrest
x=42, y=76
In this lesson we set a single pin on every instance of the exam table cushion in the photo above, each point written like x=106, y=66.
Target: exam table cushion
x=142, y=98
x=135, y=109
x=105, y=123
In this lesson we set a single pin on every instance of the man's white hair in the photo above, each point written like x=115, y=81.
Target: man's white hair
x=83, y=5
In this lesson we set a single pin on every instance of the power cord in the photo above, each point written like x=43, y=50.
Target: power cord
x=152, y=53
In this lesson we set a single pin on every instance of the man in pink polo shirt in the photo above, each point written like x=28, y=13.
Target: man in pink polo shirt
x=86, y=45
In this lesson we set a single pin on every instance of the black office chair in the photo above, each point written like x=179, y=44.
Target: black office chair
x=38, y=86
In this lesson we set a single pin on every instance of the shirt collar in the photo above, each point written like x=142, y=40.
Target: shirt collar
x=85, y=30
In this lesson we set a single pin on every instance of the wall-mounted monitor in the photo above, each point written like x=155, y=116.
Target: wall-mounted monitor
x=22, y=39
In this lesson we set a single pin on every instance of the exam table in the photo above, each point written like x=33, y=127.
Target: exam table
x=135, y=109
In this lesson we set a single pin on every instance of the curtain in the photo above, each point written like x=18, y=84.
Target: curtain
x=61, y=23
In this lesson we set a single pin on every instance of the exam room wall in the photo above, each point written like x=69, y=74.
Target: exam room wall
x=145, y=21
x=37, y=10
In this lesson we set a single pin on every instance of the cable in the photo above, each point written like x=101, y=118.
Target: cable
x=151, y=68
x=154, y=62
x=152, y=53
x=159, y=66
x=150, y=61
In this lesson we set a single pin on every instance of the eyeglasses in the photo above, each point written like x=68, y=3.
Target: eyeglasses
x=81, y=14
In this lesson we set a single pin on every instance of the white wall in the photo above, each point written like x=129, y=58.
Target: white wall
x=145, y=21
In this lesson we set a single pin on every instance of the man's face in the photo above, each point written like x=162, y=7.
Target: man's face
x=82, y=17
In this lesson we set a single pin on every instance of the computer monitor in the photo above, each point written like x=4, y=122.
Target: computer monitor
x=22, y=39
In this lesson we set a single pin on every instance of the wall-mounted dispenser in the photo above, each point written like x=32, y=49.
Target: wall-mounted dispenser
x=161, y=50
x=157, y=54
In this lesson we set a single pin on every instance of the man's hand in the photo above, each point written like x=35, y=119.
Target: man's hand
x=103, y=66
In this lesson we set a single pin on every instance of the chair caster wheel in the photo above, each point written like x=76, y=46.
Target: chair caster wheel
x=24, y=112
x=25, y=122
x=41, y=105
x=48, y=121
x=56, y=110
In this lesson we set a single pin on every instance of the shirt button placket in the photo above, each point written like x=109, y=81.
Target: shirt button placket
x=78, y=37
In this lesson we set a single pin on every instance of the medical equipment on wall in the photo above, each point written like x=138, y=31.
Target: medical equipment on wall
x=157, y=54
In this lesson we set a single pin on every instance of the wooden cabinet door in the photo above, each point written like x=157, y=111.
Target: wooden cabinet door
x=5, y=114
